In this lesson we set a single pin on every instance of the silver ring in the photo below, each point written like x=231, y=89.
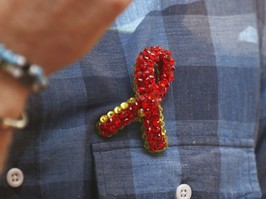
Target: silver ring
x=15, y=123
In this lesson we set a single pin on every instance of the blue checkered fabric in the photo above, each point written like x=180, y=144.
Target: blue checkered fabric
x=215, y=110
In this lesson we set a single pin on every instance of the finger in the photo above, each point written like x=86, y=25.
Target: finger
x=5, y=140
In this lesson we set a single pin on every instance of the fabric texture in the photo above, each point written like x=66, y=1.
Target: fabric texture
x=215, y=110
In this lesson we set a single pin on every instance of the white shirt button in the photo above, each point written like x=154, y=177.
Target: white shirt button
x=14, y=177
x=183, y=191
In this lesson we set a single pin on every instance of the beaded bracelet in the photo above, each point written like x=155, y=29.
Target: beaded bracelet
x=30, y=75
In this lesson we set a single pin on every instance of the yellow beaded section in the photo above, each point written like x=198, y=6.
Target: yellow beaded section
x=146, y=145
x=104, y=119
x=124, y=105
x=110, y=114
x=117, y=110
x=162, y=124
x=132, y=100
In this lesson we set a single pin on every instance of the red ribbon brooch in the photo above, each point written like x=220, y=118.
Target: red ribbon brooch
x=154, y=71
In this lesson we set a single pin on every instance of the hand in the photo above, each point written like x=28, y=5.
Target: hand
x=51, y=33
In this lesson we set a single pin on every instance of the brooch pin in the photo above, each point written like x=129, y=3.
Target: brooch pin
x=154, y=71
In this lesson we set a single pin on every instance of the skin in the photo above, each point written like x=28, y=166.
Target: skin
x=51, y=33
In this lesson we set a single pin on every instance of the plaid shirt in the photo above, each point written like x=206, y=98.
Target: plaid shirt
x=215, y=110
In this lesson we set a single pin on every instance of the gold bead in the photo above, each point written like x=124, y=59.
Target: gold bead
x=160, y=108
x=144, y=136
x=124, y=105
x=117, y=109
x=161, y=117
x=162, y=124
x=163, y=131
x=146, y=145
x=110, y=114
x=104, y=119
x=132, y=100
x=141, y=112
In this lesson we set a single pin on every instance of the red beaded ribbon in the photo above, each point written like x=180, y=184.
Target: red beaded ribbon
x=154, y=71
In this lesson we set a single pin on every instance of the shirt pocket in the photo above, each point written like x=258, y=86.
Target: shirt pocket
x=125, y=170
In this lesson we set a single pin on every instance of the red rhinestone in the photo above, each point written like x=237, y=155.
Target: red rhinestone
x=142, y=67
x=172, y=68
x=150, y=63
x=148, y=130
x=163, y=76
x=166, y=60
x=112, y=128
x=154, y=86
x=139, y=82
x=150, y=137
x=159, y=48
x=170, y=77
x=137, y=68
x=162, y=96
x=152, y=149
x=123, y=115
x=130, y=110
x=151, y=79
x=172, y=61
x=150, y=70
x=138, y=74
x=136, y=104
x=141, y=90
x=152, y=56
x=140, y=58
x=135, y=107
x=163, y=83
x=151, y=96
x=116, y=121
x=161, y=138
x=135, y=112
x=155, y=112
x=146, y=81
x=131, y=117
x=147, y=113
x=146, y=74
x=142, y=97
x=162, y=91
x=156, y=130
x=147, y=123
x=161, y=145
x=167, y=86
x=126, y=121
x=102, y=128
x=149, y=89
x=154, y=103
x=146, y=57
x=146, y=52
x=156, y=54
x=161, y=56
x=169, y=53
x=155, y=122
x=145, y=104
